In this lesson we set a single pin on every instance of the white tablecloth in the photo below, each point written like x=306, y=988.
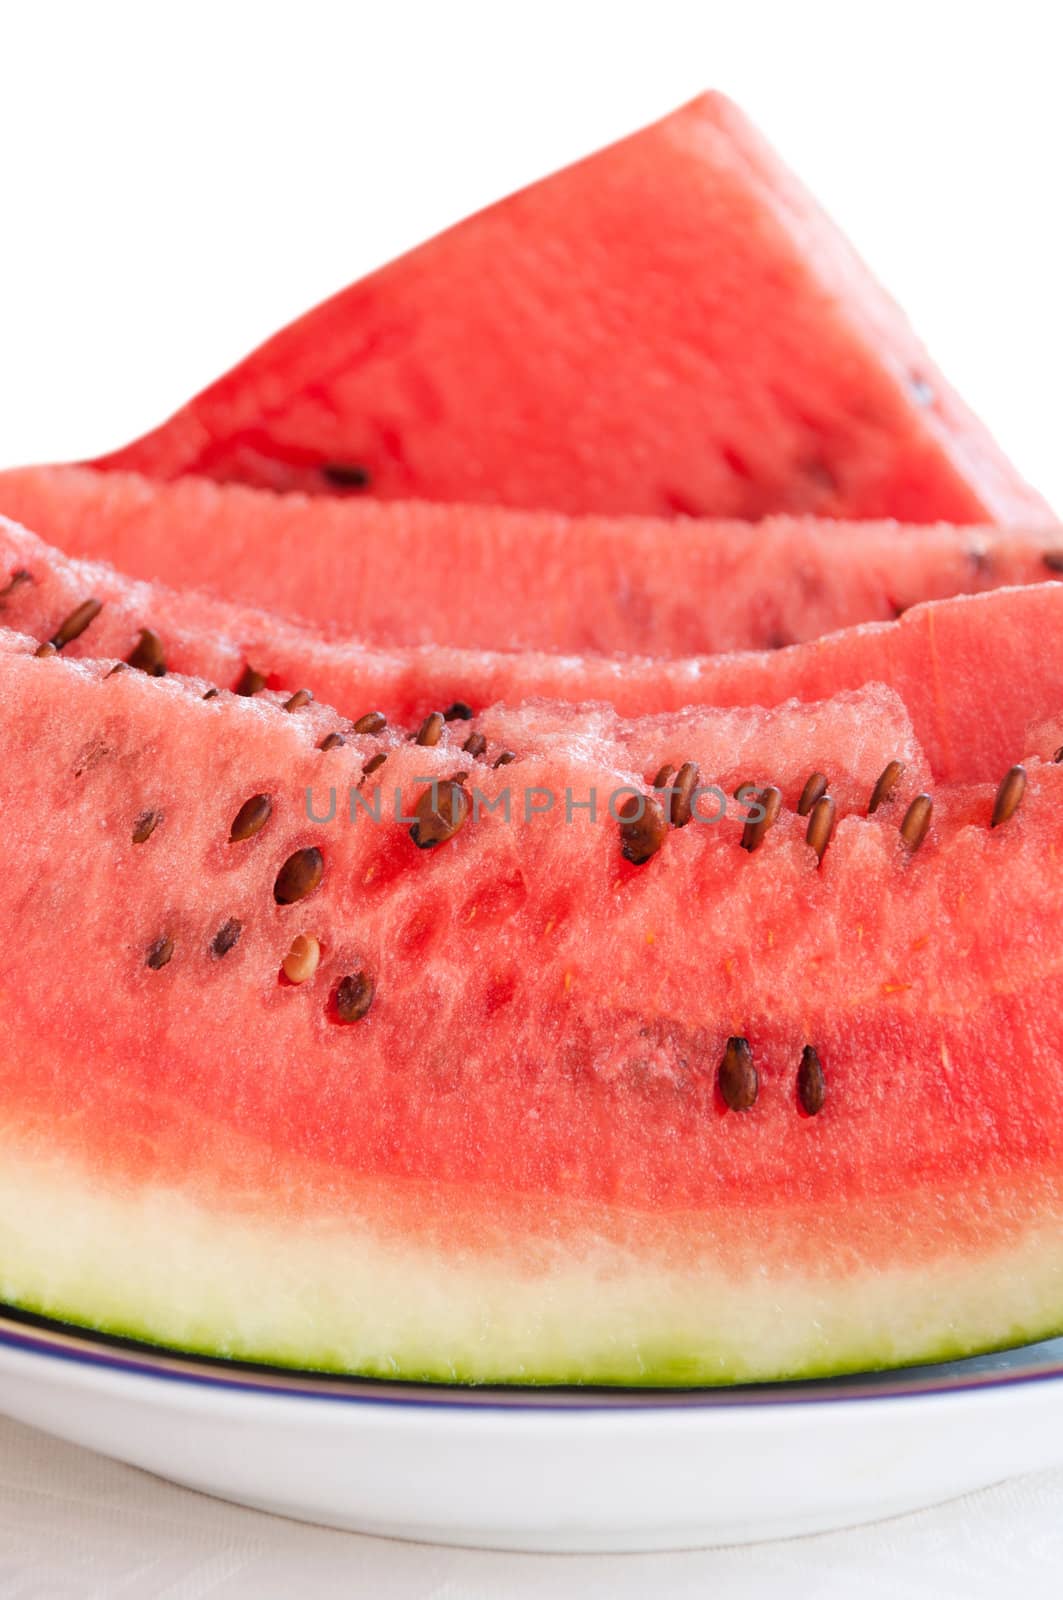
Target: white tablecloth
x=73, y=1524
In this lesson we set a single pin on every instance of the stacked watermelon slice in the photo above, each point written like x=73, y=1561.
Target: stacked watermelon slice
x=532, y=822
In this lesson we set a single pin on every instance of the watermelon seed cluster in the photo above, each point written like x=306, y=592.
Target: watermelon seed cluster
x=444, y=808
x=739, y=1082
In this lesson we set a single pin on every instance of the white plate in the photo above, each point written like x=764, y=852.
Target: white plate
x=544, y=1470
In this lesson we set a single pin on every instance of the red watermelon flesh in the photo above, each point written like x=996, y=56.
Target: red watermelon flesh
x=973, y=672
x=521, y=1162
x=669, y=326
x=418, y=573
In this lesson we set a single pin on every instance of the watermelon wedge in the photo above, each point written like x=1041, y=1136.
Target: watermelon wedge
x=518, y=578
x=512, y=1107
x=963, y=667
x=669, y=326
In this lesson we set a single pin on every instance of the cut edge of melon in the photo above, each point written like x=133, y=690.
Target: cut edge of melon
x=342, y=1296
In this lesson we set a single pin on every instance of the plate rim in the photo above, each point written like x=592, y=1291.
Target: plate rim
x=47, y=1338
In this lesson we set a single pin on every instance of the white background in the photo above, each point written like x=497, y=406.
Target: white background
x=178, y=180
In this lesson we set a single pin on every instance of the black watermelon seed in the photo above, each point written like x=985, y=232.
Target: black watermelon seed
x=345, y=475
x=770, y=802
x=73, y=626
x=332, y=741
x=147, y=655
x=686, y=781
x=374, y=763
x=44, y=650
x=251, y=818
x=458, y=712
x=431, y=729
x=888, y=780
x=811, y=1084
x=16, y=580
x=159, y=953
x=438, y=823
x=643, y=826
x=475, y=745
x=1058, y=755
x=211, y=694
x=227, y=935
x=664, y=776
x=917, y=821
x=820, y=825
x=354, y=996
x=1053, y=560
x=145, y=825
x=251, y=681
x=296, y=702
x=815, y=788
x=737, y=1076
x=299, y=876
x=119, y=666
x=505, y=757
x=1009, y=796
x=372, y=722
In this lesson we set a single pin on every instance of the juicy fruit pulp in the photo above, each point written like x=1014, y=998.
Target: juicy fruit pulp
x=509, y=1164
x=716, y=349
x=436, y=1026
x=515, y=579
x=962, y=667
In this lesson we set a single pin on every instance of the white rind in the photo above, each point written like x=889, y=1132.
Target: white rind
x=343, y=1295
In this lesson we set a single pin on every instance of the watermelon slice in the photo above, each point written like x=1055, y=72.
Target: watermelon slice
x=518, y=578
x=963, y=667
x=510, y=1108
x=669, y=326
